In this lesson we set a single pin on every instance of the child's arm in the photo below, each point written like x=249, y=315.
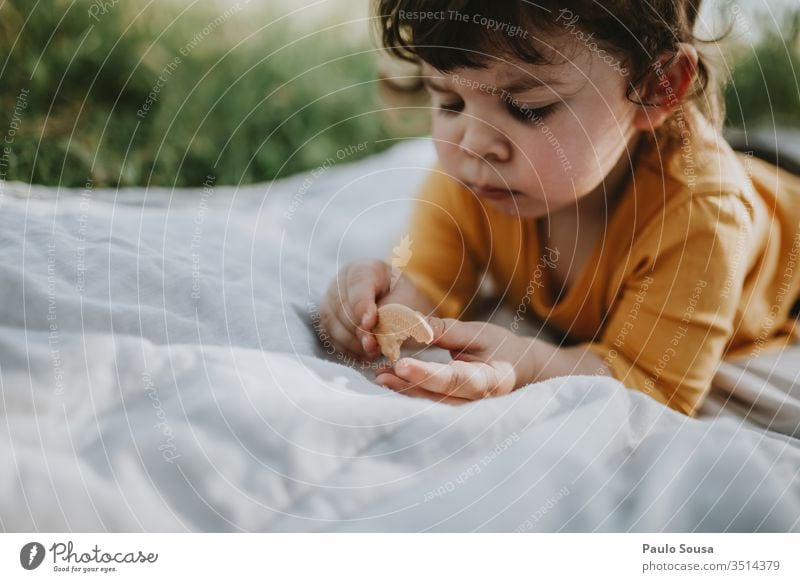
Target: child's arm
x=488, y=360
x=550, y=361
x=664, y=336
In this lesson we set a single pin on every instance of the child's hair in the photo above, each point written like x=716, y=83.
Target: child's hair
x=450, y=34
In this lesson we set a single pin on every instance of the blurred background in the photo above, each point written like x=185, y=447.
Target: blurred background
x=166, y=92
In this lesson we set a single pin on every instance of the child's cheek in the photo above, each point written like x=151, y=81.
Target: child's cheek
x=575, y=151
x=552, y=149
x=446, y=130
x=597, y=151
x=445, y=140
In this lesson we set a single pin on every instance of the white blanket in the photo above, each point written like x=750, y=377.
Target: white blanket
x=159, y=371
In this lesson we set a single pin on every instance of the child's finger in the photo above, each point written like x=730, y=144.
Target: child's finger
x=369, y=316
x=346, y=321
x=401, y=386
x=365, y=284
x=457, y=378
x=370, y=344
x=342, y=337
x=384, y=368
x=452, y=334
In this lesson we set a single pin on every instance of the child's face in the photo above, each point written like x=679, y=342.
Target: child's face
x=533, y=139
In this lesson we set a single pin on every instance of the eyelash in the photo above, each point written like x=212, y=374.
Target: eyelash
x=451, y=108
x=523, y=114
x=531, y=114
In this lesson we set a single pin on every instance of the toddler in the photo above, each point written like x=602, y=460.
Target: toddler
x=582, y=171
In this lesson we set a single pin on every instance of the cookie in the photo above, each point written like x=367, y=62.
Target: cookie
x=396, y=323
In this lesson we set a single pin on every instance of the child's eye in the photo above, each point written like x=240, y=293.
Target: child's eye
x=527, y=114
x=451, y=107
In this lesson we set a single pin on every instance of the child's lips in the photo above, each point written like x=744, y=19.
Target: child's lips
x=493, y=193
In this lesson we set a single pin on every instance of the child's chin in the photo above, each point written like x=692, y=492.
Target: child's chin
x=516, y=206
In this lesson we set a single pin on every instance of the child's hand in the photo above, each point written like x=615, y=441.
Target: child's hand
x=349, y=309
x=487, y=361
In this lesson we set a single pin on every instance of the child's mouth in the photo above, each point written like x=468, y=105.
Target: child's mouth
x=493, y=193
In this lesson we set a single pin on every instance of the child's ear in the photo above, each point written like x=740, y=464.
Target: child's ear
x=663, y=89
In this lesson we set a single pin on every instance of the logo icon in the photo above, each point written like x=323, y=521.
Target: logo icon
x=402, y=255
x=31, y=555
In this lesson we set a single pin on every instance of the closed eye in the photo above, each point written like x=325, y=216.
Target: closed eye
x=527, y=114
x=451, y=107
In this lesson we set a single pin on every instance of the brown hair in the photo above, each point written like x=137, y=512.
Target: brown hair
x=450, y=34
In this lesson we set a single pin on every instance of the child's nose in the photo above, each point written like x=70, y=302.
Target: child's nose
x=482, y=140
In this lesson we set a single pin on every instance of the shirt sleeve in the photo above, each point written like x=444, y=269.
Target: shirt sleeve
x=445, y=258
x=674, y=316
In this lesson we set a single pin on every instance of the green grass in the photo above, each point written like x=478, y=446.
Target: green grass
x=267, y=108
x=764, y=85
x=271, y=105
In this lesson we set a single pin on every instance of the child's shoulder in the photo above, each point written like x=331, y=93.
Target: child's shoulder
x=690, y=166
x=692, y=157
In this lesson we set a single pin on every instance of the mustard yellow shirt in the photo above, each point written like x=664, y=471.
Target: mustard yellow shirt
x=699, y=263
